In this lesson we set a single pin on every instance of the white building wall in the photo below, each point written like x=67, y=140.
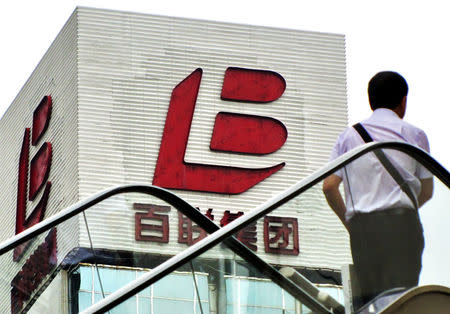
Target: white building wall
x=111, y=75
x=55, y=75
x=128, y=65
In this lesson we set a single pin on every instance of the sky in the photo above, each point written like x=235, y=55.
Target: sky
x=408, y=36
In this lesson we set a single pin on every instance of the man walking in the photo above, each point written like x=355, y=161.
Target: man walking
x=382, y=196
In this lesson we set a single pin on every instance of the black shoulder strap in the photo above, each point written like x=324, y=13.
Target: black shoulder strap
x=387, y=164
x=362, y=131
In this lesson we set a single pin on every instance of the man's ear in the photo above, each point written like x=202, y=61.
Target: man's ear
x=403, y=105
x=401, y=108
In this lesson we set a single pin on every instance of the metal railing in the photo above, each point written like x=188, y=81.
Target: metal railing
x=227, y=231
x=221, y=234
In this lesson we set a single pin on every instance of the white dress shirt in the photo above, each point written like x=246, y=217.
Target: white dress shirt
x=368, y=186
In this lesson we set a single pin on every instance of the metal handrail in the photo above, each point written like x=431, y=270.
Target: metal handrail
x=220, y=235
x=209, y=226
x=192, y=213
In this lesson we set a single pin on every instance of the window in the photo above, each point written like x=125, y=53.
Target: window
x=176, y=293
x=162, y=297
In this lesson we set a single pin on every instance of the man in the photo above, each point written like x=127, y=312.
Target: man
x=385, y=231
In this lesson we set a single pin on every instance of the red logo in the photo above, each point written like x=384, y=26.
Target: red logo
x=40, y=169
x=235, y=133
x=38, y=266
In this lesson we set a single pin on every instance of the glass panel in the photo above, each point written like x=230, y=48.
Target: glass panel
x=130, y=232
x=268, y=295
x=129, y=306
x=86, y=276
x=173, y=306
x=304, y=233
x=220, y=287
x=176, y=290
x=146, y=292
x=112, y=279
x=435, y=215
x=183, y=288
x=406, y=246
x=202, y=307
x=144, y=305
x=84, y=299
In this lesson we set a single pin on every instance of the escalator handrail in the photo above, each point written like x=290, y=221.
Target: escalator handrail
x=192, y=213
x=423, y=157
x=227, y=231
x=210, y=226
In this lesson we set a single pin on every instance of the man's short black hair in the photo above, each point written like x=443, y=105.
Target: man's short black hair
x=386, y=90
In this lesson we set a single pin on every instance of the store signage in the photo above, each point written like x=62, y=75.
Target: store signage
x=37, y=267
x=280, y=234
x=40, y=169
x=43, y=260
x=233, y=133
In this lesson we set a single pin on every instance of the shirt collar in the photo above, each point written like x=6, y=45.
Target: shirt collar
x=384, y=114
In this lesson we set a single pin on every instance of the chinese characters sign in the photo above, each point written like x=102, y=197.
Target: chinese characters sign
x=280, y=234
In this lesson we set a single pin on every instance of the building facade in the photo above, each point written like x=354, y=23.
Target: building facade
x=224, y=115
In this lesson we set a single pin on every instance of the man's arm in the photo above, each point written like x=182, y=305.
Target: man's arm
x=426, y=191
x=333, y=195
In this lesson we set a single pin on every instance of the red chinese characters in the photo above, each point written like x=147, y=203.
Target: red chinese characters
x=229, y=217
x=153, y=224
x=281, y=235
x=188, y=232
x=246, y=235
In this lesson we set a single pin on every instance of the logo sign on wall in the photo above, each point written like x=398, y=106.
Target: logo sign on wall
x=235, y=133
x=232, y=133
x=43, y=260
x=38, y=176
x=280, y=234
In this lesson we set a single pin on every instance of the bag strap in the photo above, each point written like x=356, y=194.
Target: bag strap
x=387, y=164
x=363, y=133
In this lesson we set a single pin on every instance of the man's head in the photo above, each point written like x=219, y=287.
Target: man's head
x=387, y=90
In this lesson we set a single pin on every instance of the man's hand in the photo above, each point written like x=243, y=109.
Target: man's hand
x=426, y=191
x=333, y=195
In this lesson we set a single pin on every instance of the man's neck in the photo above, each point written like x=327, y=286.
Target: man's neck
x=399, y=111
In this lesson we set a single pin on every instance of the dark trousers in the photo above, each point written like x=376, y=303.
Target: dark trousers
x=387, y=250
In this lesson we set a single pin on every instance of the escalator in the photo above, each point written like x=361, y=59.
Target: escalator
x=222, y=270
